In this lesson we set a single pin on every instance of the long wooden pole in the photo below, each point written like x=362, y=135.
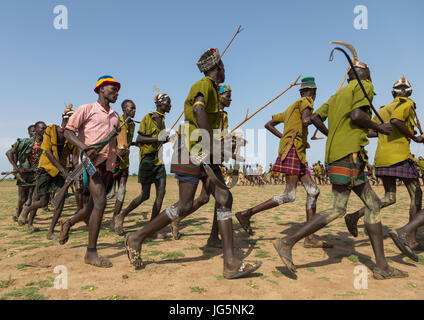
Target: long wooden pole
x=267, y=104
x=240, y=29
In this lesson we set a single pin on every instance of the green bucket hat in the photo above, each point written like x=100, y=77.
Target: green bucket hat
x=308, y=82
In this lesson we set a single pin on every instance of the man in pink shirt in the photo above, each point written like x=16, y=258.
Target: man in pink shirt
x=93, y=122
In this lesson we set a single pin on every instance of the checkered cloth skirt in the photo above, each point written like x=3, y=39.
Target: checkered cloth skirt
x=291, y=165
x=404, y=169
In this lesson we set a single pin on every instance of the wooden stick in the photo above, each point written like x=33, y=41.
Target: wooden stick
x=177, y=120
x=235, y=35
x=250, y=117
x=240, y=29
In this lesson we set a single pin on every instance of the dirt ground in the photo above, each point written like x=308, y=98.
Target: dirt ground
x=187, y=269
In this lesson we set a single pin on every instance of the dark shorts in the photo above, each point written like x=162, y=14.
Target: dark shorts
x=347, y=173
x=404, y=169
x=148, y=172
x=291, y=165
x=195, y=179
x=46, y=184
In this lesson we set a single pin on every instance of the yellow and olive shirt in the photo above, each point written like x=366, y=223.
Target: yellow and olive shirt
x=130, y=128
x=394, y=148
x=292, y=119
x=50, y=144
x=149, y=128
x=208, y=88
x=344, y=136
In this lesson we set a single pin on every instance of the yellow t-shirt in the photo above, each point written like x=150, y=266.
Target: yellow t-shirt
x=50, y=144
x=344, y=136
x=292, y=119
x=394, y=148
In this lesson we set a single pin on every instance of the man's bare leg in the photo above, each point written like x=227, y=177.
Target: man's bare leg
x=56, y=215
x=32, y=209
x=119, y=219
x=389, y=198
x=201, y=200
x=288, y=196
x=97, y=189
x=23, y=194
x=122, y=189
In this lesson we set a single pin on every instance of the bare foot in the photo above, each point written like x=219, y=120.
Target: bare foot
x=119, y=226
x=32, y=229
x=65, y=226
x=175, y=225
x=94, y=259
x=313, y=242
x=352, y=224
x=244, y=222
x=284, y=251
x=214, y=242
x=21, y=221
x=51, y=236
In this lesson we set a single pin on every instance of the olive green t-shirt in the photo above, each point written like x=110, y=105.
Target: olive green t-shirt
x=394, y=148
x=344, y=136
x=292, y=119
x=149, y=128
x=208, y=88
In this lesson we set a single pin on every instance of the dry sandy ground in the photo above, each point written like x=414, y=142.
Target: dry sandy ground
x=187, y=269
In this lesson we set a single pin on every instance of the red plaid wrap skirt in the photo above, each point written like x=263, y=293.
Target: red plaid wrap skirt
x=404, y=169
x=291, y=165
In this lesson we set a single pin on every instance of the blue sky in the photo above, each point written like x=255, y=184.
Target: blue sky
x=148, y=43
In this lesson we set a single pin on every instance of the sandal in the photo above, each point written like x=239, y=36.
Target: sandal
x=380, y=274
x=286, y=257
x=136, y=260
x=402, y=243
x=64, y=237
x=245, y=226
x=351, y=226
x=244, y=269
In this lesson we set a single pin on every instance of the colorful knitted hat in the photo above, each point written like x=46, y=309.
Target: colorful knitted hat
x=210, y=62
x=402, y=83
x=308, y=82
x=224, y=88
x=104, y=80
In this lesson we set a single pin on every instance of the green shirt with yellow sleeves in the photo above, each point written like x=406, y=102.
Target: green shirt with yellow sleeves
x=292, y=119
x=344, y=136
x=149, y=128
x=124, y=163
x=394, y=148
x=209, y=89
